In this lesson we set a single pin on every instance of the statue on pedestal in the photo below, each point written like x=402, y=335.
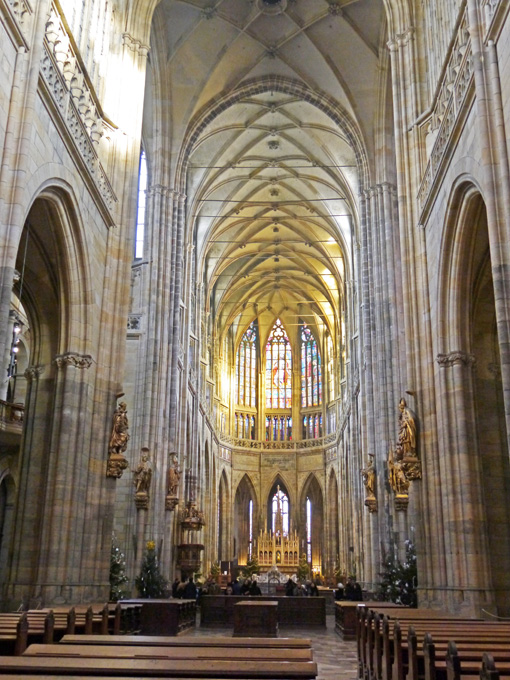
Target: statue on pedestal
x=119, y=438
x=142, y=477
x=173, y=478
x=369, y=481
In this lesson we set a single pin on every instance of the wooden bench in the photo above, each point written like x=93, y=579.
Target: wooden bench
x=163, y=668
x=256, y=618
x=218, y=610
x=18, y=630
x=164, y=652
x=202, y=641
x=165, y=616
x=383, y=644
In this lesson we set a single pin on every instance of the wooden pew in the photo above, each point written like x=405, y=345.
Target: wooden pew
x=163, y=668
x=199, y=642
x=408, y=662
x=18, y=630
x=256, y=654
x=14, y=640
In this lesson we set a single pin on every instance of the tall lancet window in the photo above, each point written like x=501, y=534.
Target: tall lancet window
x=311, y=373
x=246, y=364
x=278, y=368
x=280, y=511
x=140, y=216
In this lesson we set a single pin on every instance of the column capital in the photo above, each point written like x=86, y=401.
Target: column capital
x=455, y=358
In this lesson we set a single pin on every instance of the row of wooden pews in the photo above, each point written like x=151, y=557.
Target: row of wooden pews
x=18, y=630
x=396, y=643
x=96, y=656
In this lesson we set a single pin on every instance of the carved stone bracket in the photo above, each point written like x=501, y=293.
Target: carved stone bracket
x=171, y=502
x=401, y=501
x=116, y=465
x=455, y=358
x=33, y=372
x=73, y=359
x=371, y=504
x=142, y=500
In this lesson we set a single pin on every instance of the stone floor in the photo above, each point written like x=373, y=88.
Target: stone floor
x=335, y=658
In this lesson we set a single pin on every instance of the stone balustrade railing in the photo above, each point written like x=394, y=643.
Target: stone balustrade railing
x=438, y=127
x=258, y=445
x=11, y=416
x=75, y=98
x=21, y=11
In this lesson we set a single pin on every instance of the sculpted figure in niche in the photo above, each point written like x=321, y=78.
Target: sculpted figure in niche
x=119, y=437
x=173, y=476
x=368, y=475
x=406, y=447
x=397, y=478
x=143, y=474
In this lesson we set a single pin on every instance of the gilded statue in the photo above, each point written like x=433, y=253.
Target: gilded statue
x=119, y=437
x=143, y=474
x=368, y=475
x=397, y=478
x=173, y=477
x=406, y=447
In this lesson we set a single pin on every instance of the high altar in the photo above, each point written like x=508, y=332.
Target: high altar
x=278, y=548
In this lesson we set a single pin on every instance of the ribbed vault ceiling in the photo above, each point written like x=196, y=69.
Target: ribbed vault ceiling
x=272, y=180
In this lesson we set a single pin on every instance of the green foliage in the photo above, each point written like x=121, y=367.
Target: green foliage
x=251, y=568
x=118, y=578
x=149, y=582
x=303, y=570
x=215, y=569
x=399, y=581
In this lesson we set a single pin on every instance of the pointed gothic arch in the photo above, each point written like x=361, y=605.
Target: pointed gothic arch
x=471, y=413
x=224, y=545
x=246, y=512
x=311, y=510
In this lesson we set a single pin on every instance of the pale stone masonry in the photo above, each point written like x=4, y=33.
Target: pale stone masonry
x=336, y=172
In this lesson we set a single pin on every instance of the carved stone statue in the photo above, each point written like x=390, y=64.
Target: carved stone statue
x=406, y=447
x=119, y=437
x=143, y=474
x=397, y=477
x=368, y=475
x=173, y=477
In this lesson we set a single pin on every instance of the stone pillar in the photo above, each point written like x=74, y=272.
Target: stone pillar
x=467, y=582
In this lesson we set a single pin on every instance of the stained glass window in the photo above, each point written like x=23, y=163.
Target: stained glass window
x=308, y=530
x=311, y=371
x=278, y=368
x=246, y=365
x=250, y=529
x=331, y=370
x=280, y=510
x=140, y=215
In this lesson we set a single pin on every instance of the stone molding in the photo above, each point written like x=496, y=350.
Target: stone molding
x=73, y=359
x=455, y=358
x=134, y=322
x=447, y=107
x=17, y=14
x=401, y=39
x=135, y=45
x=70, y=89
x=34, y=372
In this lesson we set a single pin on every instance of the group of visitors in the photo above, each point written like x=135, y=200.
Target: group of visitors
x=352, y=591
x=306, y=589
x=248, y=587
x=184, y=590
